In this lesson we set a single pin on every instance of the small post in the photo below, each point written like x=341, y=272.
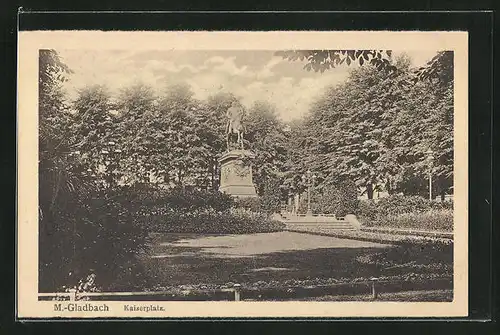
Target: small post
x=237, y=292
x=72, y=295
x=374, y=290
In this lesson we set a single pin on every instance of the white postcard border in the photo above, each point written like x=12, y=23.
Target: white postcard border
x=28, y=305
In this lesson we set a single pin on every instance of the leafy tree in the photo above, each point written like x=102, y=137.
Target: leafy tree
x=56, y=182
x=181, y=156
x=270, y=201
x=140, y=137
x=339, y=198
x=439, y=69
x=266, y=138
x=95, y=133
x=376, y=128
x=84, y=227
x=297, y=133
x=322, y=60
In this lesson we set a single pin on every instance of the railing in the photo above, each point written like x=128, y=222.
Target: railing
x=321, y=215
x=73, y=295
x=290, y=215
x=373, y=287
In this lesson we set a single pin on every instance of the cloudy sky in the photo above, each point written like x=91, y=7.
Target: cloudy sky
x=251, y=75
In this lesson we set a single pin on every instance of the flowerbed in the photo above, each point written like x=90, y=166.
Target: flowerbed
x=378, y=237
x=293, y=283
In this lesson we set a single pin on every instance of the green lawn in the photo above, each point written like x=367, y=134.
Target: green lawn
x=276, y=259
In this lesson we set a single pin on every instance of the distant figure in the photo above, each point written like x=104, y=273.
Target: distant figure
x=234, y=124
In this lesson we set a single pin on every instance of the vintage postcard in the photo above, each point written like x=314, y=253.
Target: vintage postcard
x=242, y=174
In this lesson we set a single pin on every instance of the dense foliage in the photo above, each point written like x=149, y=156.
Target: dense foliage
x=399, y=204
x=212, y=222
x=340, y=200
x=439, y=69
x=410, y=212
x=433, y=220
x=375, y=129
x=189, y=210
x=86, y=228
x=322, y=60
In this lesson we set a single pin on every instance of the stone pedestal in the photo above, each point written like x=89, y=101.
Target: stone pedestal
x=236, y=174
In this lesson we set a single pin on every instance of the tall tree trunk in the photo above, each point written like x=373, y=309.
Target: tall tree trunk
x=369, y=191
x=388, y=187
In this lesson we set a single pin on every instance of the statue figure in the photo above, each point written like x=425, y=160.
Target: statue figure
x=234, y=125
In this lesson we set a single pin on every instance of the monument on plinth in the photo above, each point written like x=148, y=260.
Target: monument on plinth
x=236, y=163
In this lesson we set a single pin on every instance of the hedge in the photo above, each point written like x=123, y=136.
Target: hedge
x=407, y=212
x=398, y=204
x=441, y=220
x=212, y=222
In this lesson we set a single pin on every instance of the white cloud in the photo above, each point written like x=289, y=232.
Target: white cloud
x=266, y=71
x=228, y=66
x=214, y=60
x=291, y=95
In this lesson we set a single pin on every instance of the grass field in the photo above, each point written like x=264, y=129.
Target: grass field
x=270, y=259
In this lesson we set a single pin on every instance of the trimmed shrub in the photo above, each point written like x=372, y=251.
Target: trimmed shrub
x=212, y=222
x=146, y=200
x=399, y=204
x=430, y=220
x=399, y=211
x=190, y=199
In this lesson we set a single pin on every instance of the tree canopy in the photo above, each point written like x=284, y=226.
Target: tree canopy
x=439, y=69
x=373, y=129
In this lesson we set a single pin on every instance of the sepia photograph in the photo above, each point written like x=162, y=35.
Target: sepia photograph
x=297, y=175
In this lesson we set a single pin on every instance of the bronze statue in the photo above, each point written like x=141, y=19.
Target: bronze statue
x=235, y=115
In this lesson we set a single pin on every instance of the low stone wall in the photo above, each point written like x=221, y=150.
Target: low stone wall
x=353, y=220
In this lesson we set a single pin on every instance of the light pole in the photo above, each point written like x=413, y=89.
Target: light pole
x=309, y=178
x=430, y=157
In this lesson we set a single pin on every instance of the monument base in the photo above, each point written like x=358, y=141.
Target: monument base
x=236, y=174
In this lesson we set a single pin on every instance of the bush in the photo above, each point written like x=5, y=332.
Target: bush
x=270, y=201
x=400, y=204
x=249, y=204
x=399, y=211
x=190, y=199
x=96, y=234
x=340, y=200
x=146, y=200
x=212, y=222
x=431, y=220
